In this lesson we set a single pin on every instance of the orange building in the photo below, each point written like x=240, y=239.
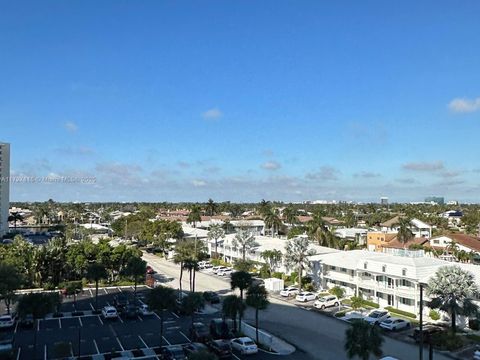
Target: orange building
x=377, y=239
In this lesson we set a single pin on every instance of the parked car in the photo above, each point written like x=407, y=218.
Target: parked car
x=375, y=317
x=194, y=348
x=244, y=345
x=211, y=297
x=394, y=324
x=216, y=269
x=428, y=330
x=130, y=311
x=109, y=312
x=289, y=291
x=219, y=329
x=305, y=296
x=144, y=310
x=6, y=345
x=326, y=301
x=7, y=321
x=27, y=321
x=221, y=348
x=225, y=272
x=199, y=332
x=120, y=301
x=173, y=352
x=150, y=270
x=352, y=317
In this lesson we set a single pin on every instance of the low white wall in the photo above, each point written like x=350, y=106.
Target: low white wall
x=263, y=338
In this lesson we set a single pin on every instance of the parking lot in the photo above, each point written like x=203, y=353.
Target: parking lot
x=91, y=334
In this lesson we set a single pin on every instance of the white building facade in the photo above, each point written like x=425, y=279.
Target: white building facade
x=4, y=186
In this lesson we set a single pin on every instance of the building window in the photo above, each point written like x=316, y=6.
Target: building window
x=436, y=241
x=384, y=268
x=365, y=265
x=404, y=272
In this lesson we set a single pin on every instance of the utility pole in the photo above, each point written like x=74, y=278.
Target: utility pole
x=421, y=323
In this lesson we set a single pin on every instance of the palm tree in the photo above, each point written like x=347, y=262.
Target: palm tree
x=240, y=280
x=263, y=207
x=245, y=241
x=362, y=339
x=215, y=233
x=272, y=257
x=195, y=215
x=10, y=281
x=192, y=303
x=182, y=254
x=452, y=248
x=161, y=299
x=451, y=289
x=211, y=207
x=404, y=233
x=272, y=221
x=95, y=272
x=257, y=297
x=136, y=267
x=15, y=216
x=233, y=306
x=290, y=215
x=296, y=255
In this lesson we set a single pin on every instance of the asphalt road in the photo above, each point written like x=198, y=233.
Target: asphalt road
x=316, y=335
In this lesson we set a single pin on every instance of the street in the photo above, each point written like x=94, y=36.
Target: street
x=319, y=336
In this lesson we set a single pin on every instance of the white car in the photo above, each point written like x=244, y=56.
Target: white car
x=352, y=316
x=377, y=316
x=216, y=269
x=289, y=291
x=6, y=321
x=224, y=272
x=305, y=296
x=326, y=301
x=394, y=324
x=109, y=312
x=245, y=345
x=144, y=310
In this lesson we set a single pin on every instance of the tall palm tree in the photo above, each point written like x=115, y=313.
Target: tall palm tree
x=15, y=216
x=296, y=256
x=404, y=233
x=240, y=280
x=182, y=253
x=136, y=267
x=195, y=215
x=452, y=248
x=257, y=297
x=161, y=299
x=211, y=207
x=452, y=289
x=216, y=233
x=263, y=207
x=245, y=241
x=272, y=221
x=232, y=306
x=95, y=272
x=362, y=339
x=272, y=257
x=290, y=216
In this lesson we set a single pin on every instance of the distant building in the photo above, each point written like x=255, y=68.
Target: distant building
x=384, y=201
x=435, y=200
x=417, y=227
x=4, y=187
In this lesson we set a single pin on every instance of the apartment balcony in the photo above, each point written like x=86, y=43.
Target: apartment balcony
x=339, y=276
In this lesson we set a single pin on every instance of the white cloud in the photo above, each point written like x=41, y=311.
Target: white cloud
x=326, y=173
x=271, y=165
x=463, y=105
x=70, y=126
x=212, y=114
x=424, y=166
x=199, y=183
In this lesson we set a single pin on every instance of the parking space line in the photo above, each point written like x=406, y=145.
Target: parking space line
x=45, y=352
x=178, y=317
x=59, y=323
x=143, y=342
x=119, y=289
x=106, y=292
x=96, y=346
x=168, y=342
x=235, y=356
x=90, y=290
x=18, y=353
x=139, y=318
x=100, y=319
x=91, y=305
x=119, y=343
x=185, y=336
x=16, y=327
x=38, y=324
x=80, y=320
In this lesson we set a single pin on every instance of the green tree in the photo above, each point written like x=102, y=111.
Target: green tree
x=356, y=302
x=272, y=221
x=161, y=299
x=362, y=340
x=136, y=267
x=14, y=217
x=38, y=304
x=245, y=241
x=273, y=258
x=240, y=280
x=192, y=303
x=257, y=297
x=10, y=280
x=232, y=307
x=296, y=256
x=404, y=233
x=195, y=215
x=451, y=290
x=216, y=233
x=337, y=291
x=96, y=272
x=211, y=207
x=290, y=215
x=73, y=288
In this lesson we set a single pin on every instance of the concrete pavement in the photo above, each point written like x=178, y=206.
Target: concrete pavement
x=320, y=336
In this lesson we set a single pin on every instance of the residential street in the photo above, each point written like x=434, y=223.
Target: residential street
x=317, y=335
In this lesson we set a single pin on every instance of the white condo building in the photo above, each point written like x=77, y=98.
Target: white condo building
x=4, y=186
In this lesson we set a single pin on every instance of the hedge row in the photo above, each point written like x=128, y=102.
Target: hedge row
x=401, y=312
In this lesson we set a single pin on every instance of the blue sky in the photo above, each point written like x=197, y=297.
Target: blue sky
x=242, y=100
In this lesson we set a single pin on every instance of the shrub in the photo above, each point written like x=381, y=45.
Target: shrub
x=474, y=324
x=401, y=312
x=337, y=291
x=309, y=287
x=434, y=315
x=446, y=341
x=278, y=275
x=341, y=313
x=371, y=304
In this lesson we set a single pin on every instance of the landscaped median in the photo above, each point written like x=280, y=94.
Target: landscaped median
x=268, y=342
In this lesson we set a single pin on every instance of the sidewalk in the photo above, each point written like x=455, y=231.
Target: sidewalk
x=277, y=345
